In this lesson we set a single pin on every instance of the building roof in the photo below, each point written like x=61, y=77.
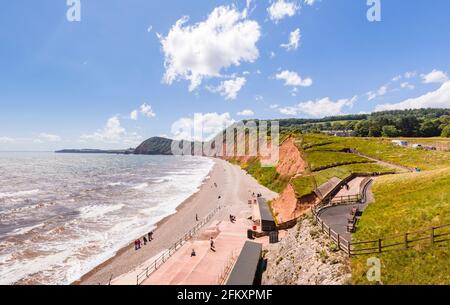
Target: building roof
x=264, y=210
x=244, y=270
x=324, y=189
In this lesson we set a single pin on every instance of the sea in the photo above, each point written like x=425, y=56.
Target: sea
x=61, y=215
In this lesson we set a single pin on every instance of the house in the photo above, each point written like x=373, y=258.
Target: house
x=340, y=133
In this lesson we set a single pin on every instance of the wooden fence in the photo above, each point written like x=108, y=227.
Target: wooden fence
x=335, y=237
x=152, y=267
x=404, y=241
x=431, y=236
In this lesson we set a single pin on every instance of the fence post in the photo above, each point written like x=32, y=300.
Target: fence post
x=322, y=225
x=339, y=241
x=406, y=240
x=379, y=245
x=432, y=235
x=329, y=231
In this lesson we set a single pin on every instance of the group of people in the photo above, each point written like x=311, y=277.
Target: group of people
x=138, y=243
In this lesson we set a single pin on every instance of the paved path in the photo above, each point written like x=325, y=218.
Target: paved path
x=336, y=217
x=236, y=187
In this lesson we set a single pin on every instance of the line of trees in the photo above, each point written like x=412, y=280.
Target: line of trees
x=396, y=123
x=406, y=123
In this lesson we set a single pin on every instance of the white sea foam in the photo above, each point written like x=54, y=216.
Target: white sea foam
x=96, y=211
x=81, y=232
x=19, y=194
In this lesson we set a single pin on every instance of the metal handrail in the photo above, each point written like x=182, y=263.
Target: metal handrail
x=152, y=267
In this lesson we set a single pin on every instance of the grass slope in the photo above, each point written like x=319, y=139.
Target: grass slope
x=406, y=203
x=267, y=176
x=380, y=148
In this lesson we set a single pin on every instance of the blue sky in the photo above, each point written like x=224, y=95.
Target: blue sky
x=127, y=71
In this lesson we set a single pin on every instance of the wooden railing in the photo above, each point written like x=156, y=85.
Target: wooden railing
x=152, y=267
x=404, y=241
x=342, y=243
x=432, y=236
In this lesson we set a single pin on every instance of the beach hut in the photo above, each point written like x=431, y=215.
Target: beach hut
x=264, y=216
x=247, y=268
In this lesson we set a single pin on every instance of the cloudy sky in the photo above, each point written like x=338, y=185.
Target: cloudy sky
x=134, y=69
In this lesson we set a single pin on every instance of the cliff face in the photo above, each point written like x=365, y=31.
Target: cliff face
x=287, y=206
x=291, y=162
x=305, y=256
x=155, y=146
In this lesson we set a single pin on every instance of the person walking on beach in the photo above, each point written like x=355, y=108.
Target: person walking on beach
x=193, y=253
x=211, y=243
x=135, y=245
x=150, y=236
x=145, y=241
x=138, y=244
x=196, y=217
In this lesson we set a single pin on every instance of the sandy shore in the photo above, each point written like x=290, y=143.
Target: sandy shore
x=225, y=180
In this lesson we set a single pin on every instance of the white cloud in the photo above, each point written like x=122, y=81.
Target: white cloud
x=272, y=54
x=246, y=112
x=194, y=52
x=5, y=140
x=113, y=132
x=230, y=88
x=406, y=85
x=202, y=127
x=319, y=108
x=150, y=28
x=407, y=75
x=310, y=2
x=259, y=98
x=410, y=74
x=293, y=79
x=45, y=137
x=435, y=76
x=134, y=115
x=280, y=9
x=147, y=110
x=435, y=99
x=274, y=106
x=294, y=41
x=380, y=92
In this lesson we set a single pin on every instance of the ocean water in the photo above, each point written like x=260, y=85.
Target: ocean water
x=63, y=214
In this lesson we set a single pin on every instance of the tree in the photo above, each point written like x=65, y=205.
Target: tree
x=408, y=126
x=446, y=132
x=389, y=131
x=430, y=128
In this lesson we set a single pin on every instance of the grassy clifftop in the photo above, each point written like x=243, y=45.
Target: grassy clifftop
x=406, y=203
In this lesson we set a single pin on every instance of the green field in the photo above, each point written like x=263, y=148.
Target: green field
x=379, y=148
x=319, y=160
x=407, y=203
